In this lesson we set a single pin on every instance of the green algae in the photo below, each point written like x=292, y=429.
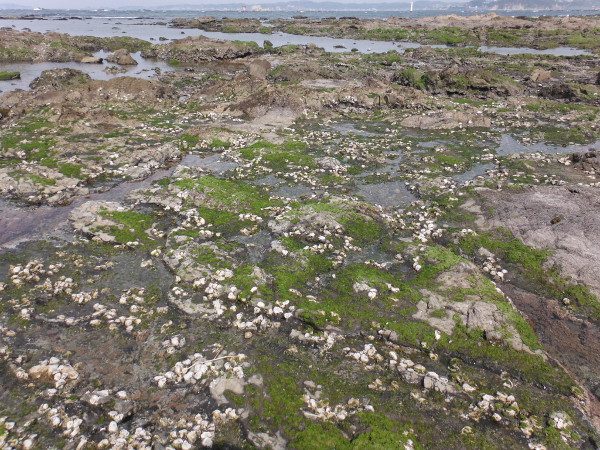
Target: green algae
x=6, y=76
x=133, y=226
x=233, y=196
x=531, y=264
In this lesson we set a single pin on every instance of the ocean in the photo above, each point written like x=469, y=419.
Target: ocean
x=157, y=15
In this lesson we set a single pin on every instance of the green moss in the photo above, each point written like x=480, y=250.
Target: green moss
x=449, y=36
x=296, y=273
x=472, y=347
x=133, y=225
x=5, y=76
x=319, y=436
x=284, y=396
x=222, y=221
x=531, y=263
x=71, y=170
x=436, y=261
x=363, y=230
x=37, y=179
x=383, y=433
x=412, y=77
x=234, y=196
x=281, y=157
x=250, y=46
x=206, y=255
x=188, y=141
x=286, y=49
x=218, y=143
x=15, y=54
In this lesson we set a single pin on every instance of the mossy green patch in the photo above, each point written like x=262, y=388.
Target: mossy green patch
x=233, y=196
x=6, y=76
x=531, y=263
x=279, y=157
x=472, y=346
x=133, y=226
x=71, y=170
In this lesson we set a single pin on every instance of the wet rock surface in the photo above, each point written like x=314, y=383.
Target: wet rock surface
x=560, y=218
x=121, y=57
x=447, y=120
x=286, y=248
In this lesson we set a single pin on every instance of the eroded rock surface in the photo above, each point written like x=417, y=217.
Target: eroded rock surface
x=282, y=247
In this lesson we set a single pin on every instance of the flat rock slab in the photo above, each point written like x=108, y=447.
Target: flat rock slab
x=446, y=120
x=563, y=219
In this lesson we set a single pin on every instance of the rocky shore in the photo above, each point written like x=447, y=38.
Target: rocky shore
x=281, y=247
x=454, y=30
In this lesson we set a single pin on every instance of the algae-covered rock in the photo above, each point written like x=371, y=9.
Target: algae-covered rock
x=195, y=49
x=88, y=219
x=7, y=76
x=60, y=79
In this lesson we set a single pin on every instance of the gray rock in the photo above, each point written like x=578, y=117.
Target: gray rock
x=259, y=68
x=330, y=164
x=264, y=440
x=588, y=161
x=540, y=76
x=88, y=220
x=446, y=120
x=91, y=60
x=121, y=57
x=433, y=381
x=220, y=385
x=60, y=79
x=529, y=215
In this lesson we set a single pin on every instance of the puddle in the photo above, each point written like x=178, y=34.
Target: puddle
x=558, y=51
x=326, y=84
x=29, y=71
x=212, y=162
x=347, y=128
x=431, y=144
x=393, y=193
x=295, y=192
x=102, y=27
x=477, y=171
x=257, y=245
x=20, y=223
x=282, y=189
x=509, y=145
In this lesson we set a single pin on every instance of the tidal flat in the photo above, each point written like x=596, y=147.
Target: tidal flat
x=252, y=244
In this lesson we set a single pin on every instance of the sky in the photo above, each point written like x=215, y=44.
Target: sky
x=99, y=4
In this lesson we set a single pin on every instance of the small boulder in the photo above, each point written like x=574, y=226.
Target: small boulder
x=561, y=91
x=60, y=79
x=8, y=76
x=121, y=57
x=113, y=70
x=91, y=60
x=259, y=69
x=447, y=120
x=588, y=161
x=330, y=164
x=540, y=76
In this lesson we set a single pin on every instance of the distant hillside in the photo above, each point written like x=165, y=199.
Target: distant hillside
x=535, y=4
x=309, y=5
x=12, y=6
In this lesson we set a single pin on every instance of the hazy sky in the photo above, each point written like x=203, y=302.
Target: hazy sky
x=97, y=4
